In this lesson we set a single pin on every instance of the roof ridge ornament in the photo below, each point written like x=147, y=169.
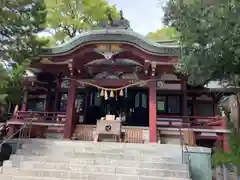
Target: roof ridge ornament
x=121, y=23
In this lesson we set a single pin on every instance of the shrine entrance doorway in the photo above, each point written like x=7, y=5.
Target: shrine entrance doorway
x=133, y=107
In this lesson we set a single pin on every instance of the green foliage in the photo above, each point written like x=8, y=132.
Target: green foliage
x=19, y=31
x=165, y=33
x=67, y=18
x=20, y=21
x=210, y=33
x=220, y=157
x=210, y=36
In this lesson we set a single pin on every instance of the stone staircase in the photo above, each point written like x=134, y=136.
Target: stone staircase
x=78, y=160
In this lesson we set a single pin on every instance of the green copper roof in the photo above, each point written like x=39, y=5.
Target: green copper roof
x=116, y=35
x=168, y=42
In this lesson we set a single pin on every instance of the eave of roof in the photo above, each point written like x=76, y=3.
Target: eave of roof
x=115, y=35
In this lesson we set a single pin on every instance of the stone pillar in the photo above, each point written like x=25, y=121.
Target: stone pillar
x=152, y=112
x=57, y=95
x=24, y=102
x=71, y=111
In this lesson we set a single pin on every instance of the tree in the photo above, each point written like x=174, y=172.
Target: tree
x=20, y=22
x=68, y=18
x=210, y=36
x=166, y=33
x=210, y=33
x=220, y=157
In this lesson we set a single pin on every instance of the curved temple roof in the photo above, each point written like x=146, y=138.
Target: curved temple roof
x=126, y=36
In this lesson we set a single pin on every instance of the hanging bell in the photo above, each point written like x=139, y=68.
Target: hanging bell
x=102, y=93
x=106, y=95
x=111, y=94
x=121, y=93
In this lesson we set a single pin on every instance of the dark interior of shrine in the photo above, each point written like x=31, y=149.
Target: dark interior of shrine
x=132, y=106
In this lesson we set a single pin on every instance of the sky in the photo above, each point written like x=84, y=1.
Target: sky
x=144, y=15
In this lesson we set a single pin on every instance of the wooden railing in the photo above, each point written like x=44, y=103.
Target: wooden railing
x=162, y=120
x=56, y=117
x=191, y=121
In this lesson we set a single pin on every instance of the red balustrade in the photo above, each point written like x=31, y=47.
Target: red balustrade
x=191, y=121
x=55, y=117
x=162, y=120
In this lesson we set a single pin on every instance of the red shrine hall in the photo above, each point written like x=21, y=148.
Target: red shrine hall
x=118, y=72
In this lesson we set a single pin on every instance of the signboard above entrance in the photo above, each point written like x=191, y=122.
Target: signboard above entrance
x=108, y=50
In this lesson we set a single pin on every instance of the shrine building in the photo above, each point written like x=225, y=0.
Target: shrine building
x=116, y=71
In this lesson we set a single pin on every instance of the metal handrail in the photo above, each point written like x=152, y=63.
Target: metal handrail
x=184, y=148
x=27, y=122
x=183, y=144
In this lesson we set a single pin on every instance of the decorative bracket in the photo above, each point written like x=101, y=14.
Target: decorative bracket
x=146, y=67
x=70, y=66
x=153, y=65
x=108, y=50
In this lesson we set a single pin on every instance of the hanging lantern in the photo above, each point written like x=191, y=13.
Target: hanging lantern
x=111, y=94
x=106, y=95
x=102, y=93
x=121, y=93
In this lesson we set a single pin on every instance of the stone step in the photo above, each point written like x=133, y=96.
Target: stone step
x=134, y=152
x=103, y=149
x=96, y=164
x=62, y=143
x=87, y=177
x=165, y=154
x=86, y=160
x=101, y=171
x=124, y=156
x=63, y=158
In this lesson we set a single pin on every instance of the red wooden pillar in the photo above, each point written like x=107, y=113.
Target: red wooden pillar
x=226, y=146
x=57, y=94
x=185, y=105
x=48, y=98
x=24, y=102
x=86, y=103
x=215, y=105
x=152, y=112
x=71, y=111
x=194, y=106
